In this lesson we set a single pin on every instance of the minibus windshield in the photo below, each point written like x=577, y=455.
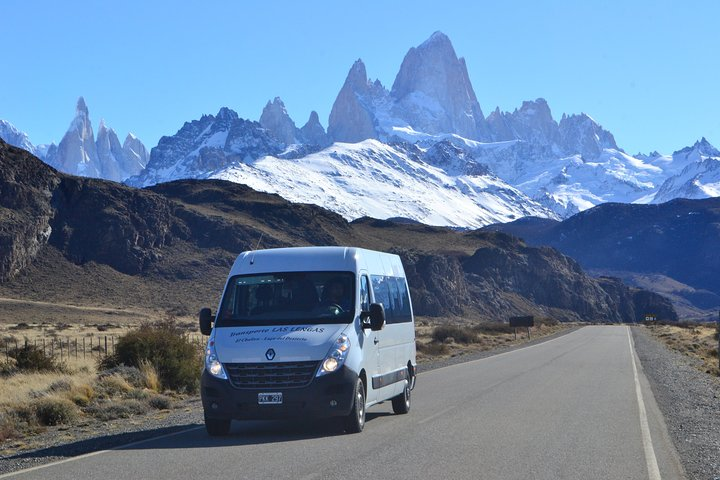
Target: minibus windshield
x=288, y=298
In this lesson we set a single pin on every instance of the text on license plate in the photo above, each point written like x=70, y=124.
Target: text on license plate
x=275, y=398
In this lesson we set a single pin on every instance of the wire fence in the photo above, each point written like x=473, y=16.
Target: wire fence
x=67, y=348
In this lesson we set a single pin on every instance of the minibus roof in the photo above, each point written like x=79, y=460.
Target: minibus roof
x=319, y=259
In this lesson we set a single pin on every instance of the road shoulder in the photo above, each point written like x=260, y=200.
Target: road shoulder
x=689, y=400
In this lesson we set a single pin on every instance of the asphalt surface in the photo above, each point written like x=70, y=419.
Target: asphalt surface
x=575, y=407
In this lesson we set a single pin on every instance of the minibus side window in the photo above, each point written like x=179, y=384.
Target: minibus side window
x=381, y=293
x=364, y=294
x=392, y=292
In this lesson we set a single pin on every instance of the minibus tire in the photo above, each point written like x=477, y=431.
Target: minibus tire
x=401, y=403
x=217, y=427
x=355, y=421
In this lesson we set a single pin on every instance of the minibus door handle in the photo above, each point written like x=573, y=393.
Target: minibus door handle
x=376, y=341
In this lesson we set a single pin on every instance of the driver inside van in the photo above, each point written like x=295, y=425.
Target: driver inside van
x=335, y=293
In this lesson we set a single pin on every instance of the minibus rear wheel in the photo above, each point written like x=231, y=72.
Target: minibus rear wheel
x=401, y=403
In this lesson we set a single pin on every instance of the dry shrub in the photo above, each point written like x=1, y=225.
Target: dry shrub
x=546, y=321
x=131, y=375
x=175, y=358
x=491, y=328
x=112, y=409
x=8, y=427
x=81, y=395
x=54, y=410
x=61, y=385
x=112, y=386
x=432, y=348
x=151, y=378
x=160, y=402
x=30, y=358
x=464, y=335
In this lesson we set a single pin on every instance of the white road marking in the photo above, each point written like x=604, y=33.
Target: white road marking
x=650, y=459
x=435, y=415
x=92, y=454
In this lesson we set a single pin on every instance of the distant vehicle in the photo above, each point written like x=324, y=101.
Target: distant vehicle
x=311, y=331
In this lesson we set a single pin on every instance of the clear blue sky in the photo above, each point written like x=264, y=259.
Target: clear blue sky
x=648, y=71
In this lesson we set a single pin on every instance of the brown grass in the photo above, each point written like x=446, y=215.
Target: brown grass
x=150, y=376
x=438, y=339
x=695, y=340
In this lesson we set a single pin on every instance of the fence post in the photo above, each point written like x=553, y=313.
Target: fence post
x=106, y=350
x=83, y=348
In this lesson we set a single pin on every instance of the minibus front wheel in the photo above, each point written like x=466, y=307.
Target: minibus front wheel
x=217, y=427
x=355, y=421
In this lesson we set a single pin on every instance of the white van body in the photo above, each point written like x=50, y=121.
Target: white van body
x=283, y=346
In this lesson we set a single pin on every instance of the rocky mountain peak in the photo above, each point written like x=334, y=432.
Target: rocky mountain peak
x=357, y=77
x=226, y=114
x=276, y=119
x=582, y=134
x=433, y=91
x=81, y=108
x=352, y=118
x=313, y=132
x=15, y=137
x=702, y=147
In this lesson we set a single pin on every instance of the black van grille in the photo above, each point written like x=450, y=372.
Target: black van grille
x=271, y=375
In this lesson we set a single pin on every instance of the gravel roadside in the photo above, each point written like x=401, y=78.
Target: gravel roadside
x=690, y=401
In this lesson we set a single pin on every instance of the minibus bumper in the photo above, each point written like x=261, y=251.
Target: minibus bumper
x=326, y=396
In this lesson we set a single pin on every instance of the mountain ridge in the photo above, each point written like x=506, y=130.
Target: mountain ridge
x=560, y=167
x=159, y=242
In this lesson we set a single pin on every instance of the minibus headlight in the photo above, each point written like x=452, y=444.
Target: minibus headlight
x=212, y=364
x=335, y=357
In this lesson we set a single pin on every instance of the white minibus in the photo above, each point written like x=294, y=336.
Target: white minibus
x=309, y=331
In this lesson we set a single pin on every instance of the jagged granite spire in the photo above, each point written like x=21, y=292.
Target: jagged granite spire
x=276, y=119
x=351, y=118
x=434, y=94
x=77, y=153
x=313, y=132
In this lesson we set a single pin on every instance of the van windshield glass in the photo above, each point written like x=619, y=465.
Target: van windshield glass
x=288, y=298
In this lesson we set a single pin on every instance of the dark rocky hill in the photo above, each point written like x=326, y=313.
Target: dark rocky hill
x=168, y=248
x=671, y=247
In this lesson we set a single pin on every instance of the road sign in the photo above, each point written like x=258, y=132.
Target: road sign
x=527, y=321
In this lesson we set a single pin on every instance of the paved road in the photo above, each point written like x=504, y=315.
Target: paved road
x=570, y=408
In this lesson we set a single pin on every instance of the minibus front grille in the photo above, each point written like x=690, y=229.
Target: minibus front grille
x=267, y=375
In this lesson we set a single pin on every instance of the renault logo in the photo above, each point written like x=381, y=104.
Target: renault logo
x=270, y=354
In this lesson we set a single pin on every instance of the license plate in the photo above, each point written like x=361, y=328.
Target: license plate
x=275, y=398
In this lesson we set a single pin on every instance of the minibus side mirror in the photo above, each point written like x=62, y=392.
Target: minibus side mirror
x=377, y=316
x=206, y=321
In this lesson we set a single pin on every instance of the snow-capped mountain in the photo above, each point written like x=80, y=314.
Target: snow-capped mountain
x=438, y=185
x=80, y=154
x=427, y=135
x=118, y=162
x=432, y=93
x=431, y=116
x=435, y=186
x=700, y=177
x=15, y=137
x=204, y=146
